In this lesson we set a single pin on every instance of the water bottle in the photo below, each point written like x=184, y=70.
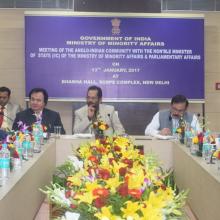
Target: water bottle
x=175, y=134
x=4, y=164
x=194, y=149
x=207, y=152
x=38, y=134
x=41, y=134
x=17, y=162
x=37, y=143
x=27, y=151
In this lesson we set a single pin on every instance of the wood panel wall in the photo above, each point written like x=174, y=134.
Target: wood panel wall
x=12, y=68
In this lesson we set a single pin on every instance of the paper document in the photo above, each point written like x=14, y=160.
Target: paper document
x=163, y=137
x=83, y=135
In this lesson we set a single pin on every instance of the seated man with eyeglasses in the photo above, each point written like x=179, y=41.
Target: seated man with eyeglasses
x=166, y=122
x=93, y=111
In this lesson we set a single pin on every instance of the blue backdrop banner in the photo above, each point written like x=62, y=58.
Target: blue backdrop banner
x=129, y=57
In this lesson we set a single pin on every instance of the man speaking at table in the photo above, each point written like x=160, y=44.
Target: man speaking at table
x=85, y=116
x=166, y=122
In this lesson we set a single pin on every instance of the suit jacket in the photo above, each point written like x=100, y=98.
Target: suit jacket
x=107, y=114
x=12, y=110
x=3, y=134
x=49, y=119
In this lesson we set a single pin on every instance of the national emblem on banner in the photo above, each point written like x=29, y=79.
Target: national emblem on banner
x=115, y=26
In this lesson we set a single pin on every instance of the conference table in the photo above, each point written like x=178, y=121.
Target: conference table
x=21, y=198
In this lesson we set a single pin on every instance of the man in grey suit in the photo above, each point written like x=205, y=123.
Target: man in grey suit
x=85, y=116
x=8, y=110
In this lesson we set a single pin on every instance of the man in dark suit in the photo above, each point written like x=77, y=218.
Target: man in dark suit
x=3, y=135
x=37, y=112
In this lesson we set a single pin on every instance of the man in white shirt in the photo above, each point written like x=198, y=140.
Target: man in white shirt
x=8, y=110
x=166, y=122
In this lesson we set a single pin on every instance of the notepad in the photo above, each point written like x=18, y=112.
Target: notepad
x=83, y=135
x=163, y=137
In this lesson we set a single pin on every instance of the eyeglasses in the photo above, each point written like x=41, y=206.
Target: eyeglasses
x=36, y=100
x=177, y=110
x=92, y=98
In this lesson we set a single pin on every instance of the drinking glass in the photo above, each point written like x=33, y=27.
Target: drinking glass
x=57, y=131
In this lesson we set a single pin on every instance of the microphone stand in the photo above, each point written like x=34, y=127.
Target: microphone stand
x=5, y=132
x=2, y=113
x=111, y=125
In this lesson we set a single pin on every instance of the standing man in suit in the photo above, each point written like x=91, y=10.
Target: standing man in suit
x=8, y=110
x=166, y=122
x=85, y=116
x=37, y=112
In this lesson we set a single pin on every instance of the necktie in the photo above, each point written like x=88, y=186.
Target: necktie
x=38, y=117
x=1, y=115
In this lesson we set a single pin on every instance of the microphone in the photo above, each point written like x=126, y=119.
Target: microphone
x=197, y=124
x=96, y=110
x=2, y=113
x=109, y=115
x=170, y=118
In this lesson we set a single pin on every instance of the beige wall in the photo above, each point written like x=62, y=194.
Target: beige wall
x=12, y=62
x=12, y=65
x=212, y=69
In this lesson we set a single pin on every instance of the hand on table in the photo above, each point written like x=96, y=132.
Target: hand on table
x=165, y=132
